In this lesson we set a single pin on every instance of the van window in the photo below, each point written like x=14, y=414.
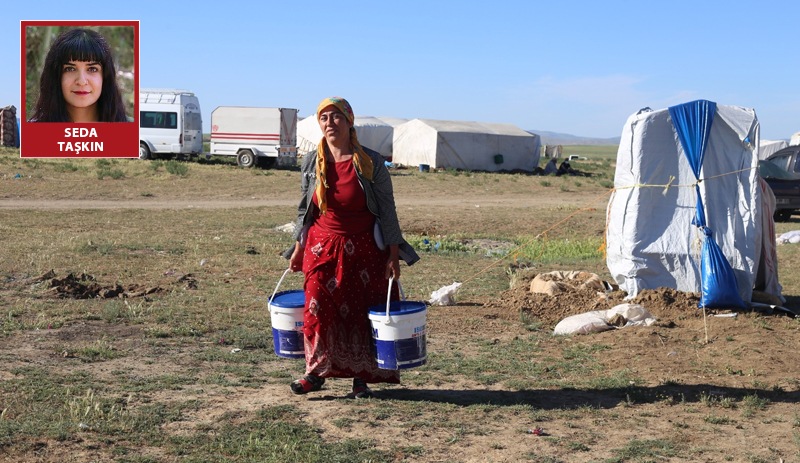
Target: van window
x=192, y=121
x=158, y=119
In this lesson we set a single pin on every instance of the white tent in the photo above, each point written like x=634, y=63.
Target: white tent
x=766, y=148
x=372, y=132
x=393, y=121
x=465, y=145
x=651, y=239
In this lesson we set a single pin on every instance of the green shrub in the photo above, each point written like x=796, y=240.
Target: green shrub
x=181, y=169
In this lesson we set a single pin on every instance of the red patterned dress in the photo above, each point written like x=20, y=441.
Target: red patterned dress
x=345, y=276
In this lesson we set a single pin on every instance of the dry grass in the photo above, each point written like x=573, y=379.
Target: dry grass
x=187, y=372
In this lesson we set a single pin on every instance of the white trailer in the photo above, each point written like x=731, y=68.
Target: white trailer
x=169, y=123
x=255, y=135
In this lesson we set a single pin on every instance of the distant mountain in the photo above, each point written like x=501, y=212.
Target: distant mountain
x=554, y=138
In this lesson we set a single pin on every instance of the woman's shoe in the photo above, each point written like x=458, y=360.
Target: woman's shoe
x=306, y=384
x=361, y=390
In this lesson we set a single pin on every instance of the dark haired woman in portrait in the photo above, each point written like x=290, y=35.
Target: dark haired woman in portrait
x=79, y=81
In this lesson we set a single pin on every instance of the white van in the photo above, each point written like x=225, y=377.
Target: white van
x=169, y=123
x=263, y=136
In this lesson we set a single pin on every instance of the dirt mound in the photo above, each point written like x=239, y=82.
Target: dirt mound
x=666, y=304
x=85, y=286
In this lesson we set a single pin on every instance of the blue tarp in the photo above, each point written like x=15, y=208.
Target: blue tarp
x=692, y=122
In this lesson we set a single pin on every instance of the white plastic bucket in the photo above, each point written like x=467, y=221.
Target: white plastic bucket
x=286, y=315
x=399, y=333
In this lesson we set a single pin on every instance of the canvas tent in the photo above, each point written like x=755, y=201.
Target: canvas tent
x=766, y=148
x=661, y=219
x=393, y=121
x=465, y=145
x=372, y=132
x=553, y=151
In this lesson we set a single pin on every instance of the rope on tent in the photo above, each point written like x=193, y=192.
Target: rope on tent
x=447, y=291
x=669, y=184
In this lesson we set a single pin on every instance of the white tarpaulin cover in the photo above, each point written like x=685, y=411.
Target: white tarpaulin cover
x=393, y=121
x=372, y=133
x=769, y=147
x=651, y=239
x=465, y=145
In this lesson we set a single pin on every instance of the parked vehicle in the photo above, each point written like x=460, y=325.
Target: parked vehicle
x=255, y=135
x=170, y=124
x=788, y=159
x=784, y=186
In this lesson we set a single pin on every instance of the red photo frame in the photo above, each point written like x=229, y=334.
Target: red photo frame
x=80, y=140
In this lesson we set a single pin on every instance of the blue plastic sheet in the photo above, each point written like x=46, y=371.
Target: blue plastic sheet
x=692, y=122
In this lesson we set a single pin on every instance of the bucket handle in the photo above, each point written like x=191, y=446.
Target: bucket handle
x=389, y=295
x=278, y=285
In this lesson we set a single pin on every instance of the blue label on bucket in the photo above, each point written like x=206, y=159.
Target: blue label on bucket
x=288, y=344
x=401, y=353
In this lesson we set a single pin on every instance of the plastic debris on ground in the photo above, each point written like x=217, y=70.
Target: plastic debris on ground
x=445, y=295
x=287, y=228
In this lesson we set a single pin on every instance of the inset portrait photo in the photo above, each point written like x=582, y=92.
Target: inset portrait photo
x=79, y=89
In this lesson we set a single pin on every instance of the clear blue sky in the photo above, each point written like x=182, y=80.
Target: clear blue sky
x=577, y=67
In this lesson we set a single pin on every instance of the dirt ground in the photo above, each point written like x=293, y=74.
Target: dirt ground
x=684, y=363
x=674, y=362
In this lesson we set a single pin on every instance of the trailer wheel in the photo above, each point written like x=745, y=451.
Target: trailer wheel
x=144, y=151
x=245, y=158
x=266, y=162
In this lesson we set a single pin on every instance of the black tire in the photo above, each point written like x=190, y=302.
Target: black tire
x=782, y=215
x=245, y=158
x=144, y=152
x=265, y=162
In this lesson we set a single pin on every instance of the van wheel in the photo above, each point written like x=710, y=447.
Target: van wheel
x=144, y=152
x=245, y=158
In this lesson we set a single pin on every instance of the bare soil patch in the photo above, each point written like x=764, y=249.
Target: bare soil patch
x=688, y=378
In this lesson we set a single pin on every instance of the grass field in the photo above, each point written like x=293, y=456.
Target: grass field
x=169, y=357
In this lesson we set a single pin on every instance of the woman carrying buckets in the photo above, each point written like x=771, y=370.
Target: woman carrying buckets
x=348, y=246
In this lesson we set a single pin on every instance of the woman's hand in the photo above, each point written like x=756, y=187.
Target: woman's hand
x=393, y=264
x=296, y=261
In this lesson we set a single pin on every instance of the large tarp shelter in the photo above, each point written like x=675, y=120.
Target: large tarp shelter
x=372, y=132
x=393, y=121
x=684, y=181
x=465, y=145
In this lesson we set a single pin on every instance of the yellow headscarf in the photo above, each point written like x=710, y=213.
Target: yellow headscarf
x=361, y=160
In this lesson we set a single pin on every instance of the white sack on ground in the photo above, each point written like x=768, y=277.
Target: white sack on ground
x=601, y=320
x=790, y=237
x=553, y=283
